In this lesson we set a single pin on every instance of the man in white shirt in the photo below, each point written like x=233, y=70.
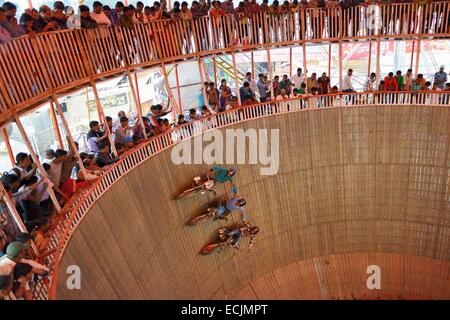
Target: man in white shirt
x=252, y=82
x=297, y=79
x=99, y=16
x=408, y=80
x=23, y=161
x=139, y=16
x=370, y=84
x=15, y=253
x=347, y=85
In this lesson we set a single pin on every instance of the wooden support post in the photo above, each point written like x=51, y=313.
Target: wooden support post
x=272, y=94
x=252, y=61
x=329, y=61
x=8, y=146
x=215, y=72
x=178, y=89
x=15, y=215
x=370, y=59
x=233, y=57
x=70, y=137
x=419, y=45
x=340, y=64
x=202, y=78
x=206, y=71
x=55, y=125
x=137, y=103
x=103, y=117
x=36, y=160
x=378, y=62
x=412, y=54
x=169, y=90
x=290, y=62
x=305, y=65
x=12, y=209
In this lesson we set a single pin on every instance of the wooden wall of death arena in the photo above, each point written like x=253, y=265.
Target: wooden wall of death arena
x=355, y=187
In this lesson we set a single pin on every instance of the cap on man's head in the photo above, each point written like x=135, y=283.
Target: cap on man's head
x=15, y=248
x=442, y=67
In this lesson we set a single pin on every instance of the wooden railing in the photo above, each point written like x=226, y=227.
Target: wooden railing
x=33, y=69
x=71, y=219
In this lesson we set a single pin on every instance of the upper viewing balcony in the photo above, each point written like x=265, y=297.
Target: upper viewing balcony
x=35, y=68
x=56, y=86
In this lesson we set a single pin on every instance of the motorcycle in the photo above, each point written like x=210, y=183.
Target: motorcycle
x=200, y=185
x=224, y=242
x=211, y=213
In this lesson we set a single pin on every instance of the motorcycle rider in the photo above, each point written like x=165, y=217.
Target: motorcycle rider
x=234, y=203
x=221, y=174
x=236, y=233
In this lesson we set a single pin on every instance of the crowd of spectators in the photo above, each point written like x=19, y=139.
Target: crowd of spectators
x=61, y=17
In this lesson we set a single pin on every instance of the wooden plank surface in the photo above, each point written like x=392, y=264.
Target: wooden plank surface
x=355, y=187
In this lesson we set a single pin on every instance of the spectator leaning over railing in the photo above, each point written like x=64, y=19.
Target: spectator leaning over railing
x=94, y=136
x=5, y=36
x=116, y=13
x=390, y=83
x=98, y=15
x=408, y=80
x=371, y=83
x=400, y=80
x=10, y=23
x=347, y=85
x=126, y=19
x=59, y=16
x=86, y=21
x=440, y=77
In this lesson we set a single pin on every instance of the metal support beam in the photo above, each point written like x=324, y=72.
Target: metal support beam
x=38, y=163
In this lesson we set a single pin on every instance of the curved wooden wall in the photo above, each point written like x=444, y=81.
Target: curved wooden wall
x=32, y=70
x=355, y=185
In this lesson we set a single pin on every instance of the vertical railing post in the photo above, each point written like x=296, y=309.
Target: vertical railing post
x=233, y=57
x=70, y=137
x=8, y=146
x=103, y=117
x=36, y=160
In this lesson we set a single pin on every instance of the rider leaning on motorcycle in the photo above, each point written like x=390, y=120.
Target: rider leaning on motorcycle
x=235, y=234
x=235, y=203
x=221, y=174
